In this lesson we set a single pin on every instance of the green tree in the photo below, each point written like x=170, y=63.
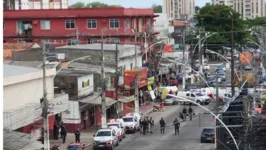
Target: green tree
x=77, y=5
x=157, y=8
x=259, y=21
x=218, y=18
x=96, y=5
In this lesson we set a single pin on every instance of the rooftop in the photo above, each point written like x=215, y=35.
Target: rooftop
x=12, y=70
x=91, y=68
x=106, y=47
x=78, y=12
x=31, y=64
x=74, y=72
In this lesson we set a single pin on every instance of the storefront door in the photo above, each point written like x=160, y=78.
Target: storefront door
x=92, y=116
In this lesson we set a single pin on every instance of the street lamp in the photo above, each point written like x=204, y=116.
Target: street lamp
x=216, y=117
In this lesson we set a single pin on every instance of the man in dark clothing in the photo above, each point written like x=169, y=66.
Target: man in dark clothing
x=56, y=131
x=141, y=125
x=190, y=111
x=145, y=124
x=151, y=122
x=162, y=125
x=63, y=133
x=177, y=125
x=77, y=136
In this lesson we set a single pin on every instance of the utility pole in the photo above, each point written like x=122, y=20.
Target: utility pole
x=116, y=72
x=45, y=104
x=217, y=109
x=232, y=59
x=103, y=85
x=184, y=67
x=137, y=76
x=246, y=123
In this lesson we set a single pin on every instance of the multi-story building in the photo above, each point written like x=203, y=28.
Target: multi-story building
x=35, y=4
x=247, y=8
x=85, y=25
x=179, y=9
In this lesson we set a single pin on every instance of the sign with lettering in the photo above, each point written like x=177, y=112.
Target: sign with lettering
x=85, y=84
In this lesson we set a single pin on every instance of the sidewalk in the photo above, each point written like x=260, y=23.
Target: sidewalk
x=87, y=135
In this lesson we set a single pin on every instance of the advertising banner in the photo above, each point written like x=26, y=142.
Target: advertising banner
x=130, y=76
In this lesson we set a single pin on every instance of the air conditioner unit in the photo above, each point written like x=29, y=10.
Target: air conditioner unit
x=104, y=21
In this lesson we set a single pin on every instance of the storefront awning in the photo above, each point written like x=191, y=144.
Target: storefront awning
x=126, y=99
x=96, y=99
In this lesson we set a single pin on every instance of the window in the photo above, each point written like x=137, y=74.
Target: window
x=142, y=21
x=115, y=41
x=127, y=23
x=92, y=24
x=114, y=23
x=45, y=25
x=92, y=41
x=70, y=24
x=70, y=42
x=127, y=41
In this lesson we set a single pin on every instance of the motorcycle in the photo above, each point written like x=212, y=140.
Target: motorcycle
x=160, y=107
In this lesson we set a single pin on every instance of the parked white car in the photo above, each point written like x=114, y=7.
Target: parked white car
x=121, y=126
x=105, y=138
x=132, y=122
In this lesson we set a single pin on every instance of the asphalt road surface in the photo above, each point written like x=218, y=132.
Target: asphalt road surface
x=189, y=138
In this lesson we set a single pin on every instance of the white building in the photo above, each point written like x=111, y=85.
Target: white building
x=179, y=9
x=162, y=26
x=247, y=8
x=23, y=89
x=40, y=4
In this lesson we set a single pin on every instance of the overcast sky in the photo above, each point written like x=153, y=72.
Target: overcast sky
x=135, y=3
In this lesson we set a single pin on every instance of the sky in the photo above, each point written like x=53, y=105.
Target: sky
x=135, y=3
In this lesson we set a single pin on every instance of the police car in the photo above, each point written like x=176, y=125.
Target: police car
x=132, y=122
x=120, y=124
x=105, y=139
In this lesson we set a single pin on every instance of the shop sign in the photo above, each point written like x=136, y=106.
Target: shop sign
x=85, y=83
x=130, y=76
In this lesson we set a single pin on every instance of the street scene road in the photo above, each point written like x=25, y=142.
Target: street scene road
x=83, y=75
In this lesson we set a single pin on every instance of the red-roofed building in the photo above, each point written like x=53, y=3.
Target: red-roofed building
x=61, y=26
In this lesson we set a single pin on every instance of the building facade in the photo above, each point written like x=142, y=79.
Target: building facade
x=23, y=90
x=35, y=4
x=72, y=26
x=248, y=9
x=179, y=9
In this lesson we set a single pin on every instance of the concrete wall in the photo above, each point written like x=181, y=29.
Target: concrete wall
x=70, y=87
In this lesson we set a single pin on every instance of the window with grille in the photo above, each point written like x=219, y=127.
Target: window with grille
x=92, y=40
x=70, y=24
x=114, y=23
x=115, y=41
x=92, y=24
x=45, y=25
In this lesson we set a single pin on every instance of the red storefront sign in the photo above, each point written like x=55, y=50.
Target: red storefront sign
x=130, y=76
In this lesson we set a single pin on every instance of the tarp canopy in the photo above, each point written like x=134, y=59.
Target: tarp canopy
x=20, y=141
x=96, y=99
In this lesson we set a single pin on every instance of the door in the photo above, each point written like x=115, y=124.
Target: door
x=92, y=116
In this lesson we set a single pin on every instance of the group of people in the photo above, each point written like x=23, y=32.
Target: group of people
x=183, y=115
x=146, y=125
x=59, y=127
x=176, y=125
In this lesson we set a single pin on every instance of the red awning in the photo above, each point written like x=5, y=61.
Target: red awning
x=168, y=48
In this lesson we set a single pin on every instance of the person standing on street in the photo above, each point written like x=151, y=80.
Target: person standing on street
x=162, y=125
x=151, y=124
x=190, y=112
x=77, y=136
x=176, y=125
x=141, y=125
x=144, y=124
x=63, y=133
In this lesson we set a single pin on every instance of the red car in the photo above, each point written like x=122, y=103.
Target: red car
x=77, y=146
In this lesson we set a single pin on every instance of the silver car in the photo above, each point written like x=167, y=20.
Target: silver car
x=170, y=100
